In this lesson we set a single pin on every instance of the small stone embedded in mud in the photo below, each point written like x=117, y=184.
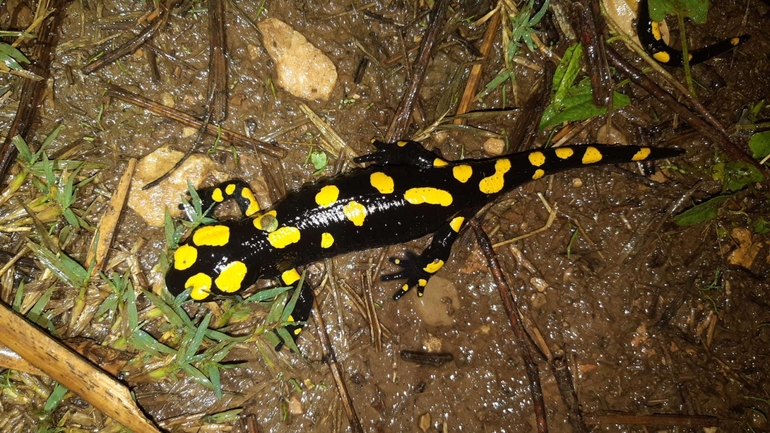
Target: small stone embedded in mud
x=747, y=251
x=424, y=422
x=301, y=69
x=610, y=135
x=494, y=146
x=437, y=307
x=295, y=405
x=539, y=284
x=152, y=203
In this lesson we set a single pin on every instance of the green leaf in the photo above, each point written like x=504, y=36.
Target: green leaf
x=762, y=226
x=735, y=175
x=216, y=382
x=566, y=73
x=319, y=160
x=578, y=105
x=67, y=269
x=11, y=57
x=693, y=9
x=701, y=213
x=197, y=339
x=287, y=339
x=55, y=398
x=145, y=342
x=264, y=295
x=759, y=144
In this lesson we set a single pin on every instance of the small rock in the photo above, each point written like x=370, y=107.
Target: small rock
x=302, y=69
x=167, y=99
x=539, y=284
x=295, y=405
x=610, y=135
x=437, y=307
x=424, y=422
x=494, y=146
x=747, y=252
x=152, y=203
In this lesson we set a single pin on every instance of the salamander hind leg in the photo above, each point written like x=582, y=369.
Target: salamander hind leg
x=236, y=189
x=402, y=153
x=417, y=270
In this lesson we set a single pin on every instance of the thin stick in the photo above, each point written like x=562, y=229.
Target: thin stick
x=331, y=358
x=188, y=120
x=473, y=80
x=519, y=335
x=109, y=221
x=131, y=45
x=217, y=61
x=401, y=118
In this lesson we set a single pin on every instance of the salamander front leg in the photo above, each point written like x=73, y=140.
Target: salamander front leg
x=417, y=270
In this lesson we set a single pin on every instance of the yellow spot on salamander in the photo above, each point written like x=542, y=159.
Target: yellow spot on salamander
x=212, y=236
x=662, y=57
x=538, y=174
x=428, y=196
x=258, y=219
x=184, y=257
x=283, y=237
x=457, y=223
x=564, y=152
x=735, y=41
x=433, y=267
x=422, y=282
x=592, y=155
x=230, y=189
x=462, y=172
x=297, y=331
x=231, y=277
x=438, y=163
x=217, y=196
x=641, y=155
x=327, y=195
x=355, y=212
x=655, y=30
x=253, y=204
x=536, y=158
x=405, y=288
x=402, y=143
x=382, y=182
x=493, y=184
x=199, y=285
x=327, y=240
x=290, y=277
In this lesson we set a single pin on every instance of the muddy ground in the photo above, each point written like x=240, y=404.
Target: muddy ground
x=649, y=316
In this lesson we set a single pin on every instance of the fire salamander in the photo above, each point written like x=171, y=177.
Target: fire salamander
x=406, y=193
x=652, y=41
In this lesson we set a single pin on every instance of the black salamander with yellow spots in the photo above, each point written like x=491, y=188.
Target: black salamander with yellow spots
x=652, y=41
x=406, y=193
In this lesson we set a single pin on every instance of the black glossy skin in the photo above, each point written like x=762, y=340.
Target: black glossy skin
x=461, y=188
x=649, y=36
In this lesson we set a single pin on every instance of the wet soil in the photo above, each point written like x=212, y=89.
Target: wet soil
x=650, y=317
